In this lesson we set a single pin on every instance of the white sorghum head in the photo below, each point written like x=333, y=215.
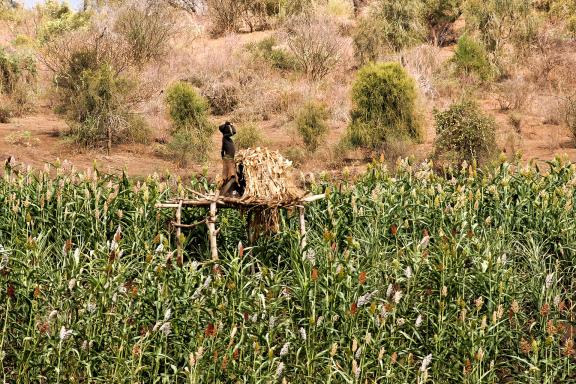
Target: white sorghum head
x=400, y=322
x=52, y=314
x=389, y=290
x=425, y=241
x=334, y=349
x=425, y=363
x=358, y=353
x=355, y=369
x=285, y=349
x=207, y=282
x=65, y=333
x=279, y=370
x=319, y=321
x=549, y=280
x=557, y=300
x=122, y=289
x=418, y=321
x=71, y=284
x=166, y=328
x=167, y=314
x=397, y=296
x=365, y=299
x=91, y=308
x=303, y=333
x=408, y=272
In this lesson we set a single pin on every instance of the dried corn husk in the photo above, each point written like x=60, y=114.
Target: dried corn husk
x=268, y=175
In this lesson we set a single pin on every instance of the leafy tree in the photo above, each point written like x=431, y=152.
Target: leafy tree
x=464, y=132
x=470, y=57
x=311, y=124
x=192, y=132
x=384, y=98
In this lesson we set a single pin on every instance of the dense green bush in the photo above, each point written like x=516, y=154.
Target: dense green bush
x=248, y=136
x=58, y=18
x=439, y=15
x=266, y=50
x=5, y=115
x=390, y=25
x=18, y=74
x=500, y=21
x=384, y=98
x=187, y=109
x=464, y=132
x=99, y=112
x=471, y=58
x=16, y=70
x=192, y=132
x=311, y=124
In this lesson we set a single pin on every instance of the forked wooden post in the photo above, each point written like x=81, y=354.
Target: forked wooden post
x=302, y=211
x=180, y=259
x=212, y=230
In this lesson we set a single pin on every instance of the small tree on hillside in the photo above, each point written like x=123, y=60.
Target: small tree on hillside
x=384, y=98
x=464, y=132
x=439, y=16
x=391, y=25
x=311, y=124
x=192, y=132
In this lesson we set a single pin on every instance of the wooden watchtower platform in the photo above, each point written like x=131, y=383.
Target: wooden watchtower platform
x=212, y=202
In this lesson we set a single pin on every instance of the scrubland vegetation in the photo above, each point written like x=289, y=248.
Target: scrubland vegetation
x=457, y=269
x=261, y=63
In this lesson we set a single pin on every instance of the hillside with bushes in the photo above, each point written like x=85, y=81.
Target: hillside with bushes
x=330, y=83
x=434, y=142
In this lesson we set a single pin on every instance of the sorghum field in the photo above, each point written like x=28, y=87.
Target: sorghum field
x=409, y=277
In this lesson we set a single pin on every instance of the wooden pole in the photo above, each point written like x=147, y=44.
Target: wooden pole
x=212, y=231
x=301, y=210
x=180, y=259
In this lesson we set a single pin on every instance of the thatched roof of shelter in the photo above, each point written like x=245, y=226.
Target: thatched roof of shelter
x=268, y=175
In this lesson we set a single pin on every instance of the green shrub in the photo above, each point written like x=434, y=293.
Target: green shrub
x=99, y=112
x=439, y=15
x=5, y=115
x=266, y=50
x=499, y=21
x=391, y=25
x=464, y=132
x=16, y=70
x=248, y=136
x=188, y=110
x=295, y=154
x=570, y=114
x=58, y=19
x=191, y=128
x=470, y=57
x=384, y=98
x=571, y=25
x=311, y=124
